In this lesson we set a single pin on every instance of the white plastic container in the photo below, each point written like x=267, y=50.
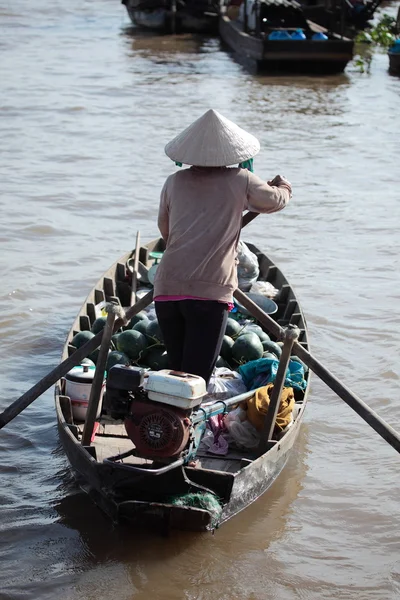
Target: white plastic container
x=175, y=388
x=78, y=383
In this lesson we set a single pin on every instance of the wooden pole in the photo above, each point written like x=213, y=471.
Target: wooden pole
x=62, y=369
x=291, y=334
x=135, y=270
x=248, y=218
x=363, y=410
x=113, y=310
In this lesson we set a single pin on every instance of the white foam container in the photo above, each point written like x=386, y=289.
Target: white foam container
x=182, y=390
x=78, y=384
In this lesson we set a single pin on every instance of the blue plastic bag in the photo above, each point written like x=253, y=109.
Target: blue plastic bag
x=258, y=373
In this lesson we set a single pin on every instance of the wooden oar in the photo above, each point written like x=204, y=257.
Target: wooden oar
x=63, y=368
x=362, y=409
x=113, y=310
x=135, y=270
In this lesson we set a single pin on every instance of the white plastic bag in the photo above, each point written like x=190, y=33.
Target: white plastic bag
x=247, y=268
x=224, y=384
x=243, y=433
x=264, y=288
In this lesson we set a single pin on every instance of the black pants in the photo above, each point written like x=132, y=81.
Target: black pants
x=193, y=331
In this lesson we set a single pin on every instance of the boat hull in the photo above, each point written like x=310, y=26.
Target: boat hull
x=165, y=21
x=126, y=494
x=286, y=56
x=394, y=62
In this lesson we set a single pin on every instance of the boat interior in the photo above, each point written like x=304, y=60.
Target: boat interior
x=110, y=439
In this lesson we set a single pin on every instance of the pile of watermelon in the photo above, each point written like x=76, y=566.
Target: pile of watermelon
x=141, y=343
x=243, y=343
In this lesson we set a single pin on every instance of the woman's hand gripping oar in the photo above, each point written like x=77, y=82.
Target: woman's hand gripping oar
x=63, y=368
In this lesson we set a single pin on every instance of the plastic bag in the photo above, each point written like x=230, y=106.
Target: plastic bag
x=243, y=433
x=224, y=384
x=264, y=288
x=247, y=268
x=260, y=372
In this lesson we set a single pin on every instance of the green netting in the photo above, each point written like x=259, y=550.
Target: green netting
x=204, y=500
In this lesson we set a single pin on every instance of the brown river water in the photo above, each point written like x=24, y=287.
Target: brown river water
x=86, y=107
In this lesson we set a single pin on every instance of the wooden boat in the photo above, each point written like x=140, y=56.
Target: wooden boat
x=253, y=43
x=128, y=487
x=347, y=17
x=171, y=16
x=394, y=62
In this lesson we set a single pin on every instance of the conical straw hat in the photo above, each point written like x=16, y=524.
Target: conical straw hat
x=212, y=141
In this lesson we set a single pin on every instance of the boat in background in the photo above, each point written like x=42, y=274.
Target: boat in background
x=341, y=16
x=174, y=16
x=155, y=479
x=275, y=36
x=394, y=62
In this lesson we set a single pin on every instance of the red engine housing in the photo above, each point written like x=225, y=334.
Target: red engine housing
x=157, y=430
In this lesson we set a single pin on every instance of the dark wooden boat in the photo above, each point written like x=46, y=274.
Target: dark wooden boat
x=347, y=17
x=394, y=62
x=126, y=486
x=173, y=16
x=252, y=43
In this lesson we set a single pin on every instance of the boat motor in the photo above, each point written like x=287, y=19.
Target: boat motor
x=157, y=415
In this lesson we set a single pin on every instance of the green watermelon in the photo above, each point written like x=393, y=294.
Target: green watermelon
x=132, y=343
x=232, y=328
x=296, y=358
x=116, y=358
x=272, y=347
x=153, y=331
x=254, y=328
x=141, y=316
x=81, y=338
x=226, y=348
x=247, y=347
x=94, y=355
x=156, y=358
x=98, y=325
x=221, y=362
x=114, y=339
x=141, y=326
x=270, y=355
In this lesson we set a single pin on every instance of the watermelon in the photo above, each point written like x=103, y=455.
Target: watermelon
x=272, y=347
x=116, y=358
x=226, y=348
x=98, y=325
x=141, y=326
x=221, y=362
x=232, y=328
x=153, y=331
x=94, y=355
x=253, y=328
x=270, y=355
x=296, y=358
x=156, y=358
x=81, y=338
x=247, y=347
x=132, y=343
x=141, y=316
x=114, y=339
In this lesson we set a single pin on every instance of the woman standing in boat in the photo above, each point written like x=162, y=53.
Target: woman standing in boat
x=200, y=219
